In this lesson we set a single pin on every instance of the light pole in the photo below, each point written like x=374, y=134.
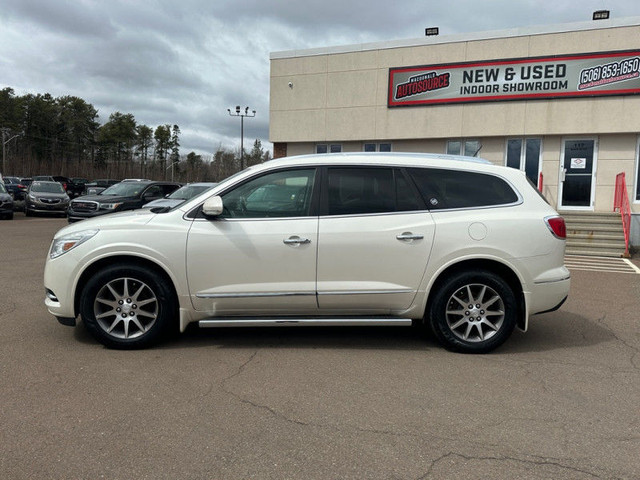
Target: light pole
x=238, y=113
x=5, y=131
x=171, y=167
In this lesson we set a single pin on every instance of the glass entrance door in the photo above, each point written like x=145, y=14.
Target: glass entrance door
x=576, y=176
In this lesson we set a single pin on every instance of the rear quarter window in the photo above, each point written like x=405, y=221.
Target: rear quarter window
x=445, y=189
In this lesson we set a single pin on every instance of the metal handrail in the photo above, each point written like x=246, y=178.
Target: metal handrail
x=621, y=204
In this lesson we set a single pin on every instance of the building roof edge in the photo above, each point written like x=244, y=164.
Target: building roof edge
x=462, y=37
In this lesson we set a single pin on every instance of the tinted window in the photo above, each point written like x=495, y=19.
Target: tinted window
x=457, y=189
x=125, y=189
x=406, y=195
x=279, y=194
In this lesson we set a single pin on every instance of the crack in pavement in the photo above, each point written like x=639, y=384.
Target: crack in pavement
x=635, y=349
x=534, y=461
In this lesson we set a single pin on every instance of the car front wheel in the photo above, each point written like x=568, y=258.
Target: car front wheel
x=127, y=306
x=473, y=312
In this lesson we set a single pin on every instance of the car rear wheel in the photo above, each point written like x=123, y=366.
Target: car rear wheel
x=127, y=306
x=473, y=312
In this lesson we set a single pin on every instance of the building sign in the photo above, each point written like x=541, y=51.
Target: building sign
x=583, y=75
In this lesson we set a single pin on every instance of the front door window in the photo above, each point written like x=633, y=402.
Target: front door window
x=578, y=167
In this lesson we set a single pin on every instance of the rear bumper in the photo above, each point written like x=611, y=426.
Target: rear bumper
x=549, y=295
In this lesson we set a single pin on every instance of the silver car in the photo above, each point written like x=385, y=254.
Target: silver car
x=185, y=192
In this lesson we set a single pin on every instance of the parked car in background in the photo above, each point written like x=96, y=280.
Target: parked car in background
x=76, y=186
x=26, y=181
x=6, y=203
x=46, y=197
x=96, y=186
x=64, y=181
x=185, y=192
x=43, y=178
x=461, y=247
x=121, y=196
x=15, y=187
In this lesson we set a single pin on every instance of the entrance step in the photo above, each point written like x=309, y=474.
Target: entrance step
x=594, y=234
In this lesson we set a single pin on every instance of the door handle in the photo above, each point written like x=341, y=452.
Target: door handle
x=295, y=240
x=409, y=236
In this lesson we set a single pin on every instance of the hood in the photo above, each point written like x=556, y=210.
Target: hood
x=103, y=198
x=48, y=195
x=112, y=221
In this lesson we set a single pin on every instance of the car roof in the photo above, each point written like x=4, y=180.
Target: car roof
x=433, y=160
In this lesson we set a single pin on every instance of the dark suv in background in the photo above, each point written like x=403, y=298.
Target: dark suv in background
x=76, y=186
x=96, y=186
x=126, y=195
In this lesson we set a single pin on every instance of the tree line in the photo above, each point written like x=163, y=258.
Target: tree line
x=43, y=135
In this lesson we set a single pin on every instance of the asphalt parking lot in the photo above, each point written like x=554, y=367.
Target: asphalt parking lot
x=559, y=402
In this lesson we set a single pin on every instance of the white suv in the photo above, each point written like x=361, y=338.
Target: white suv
x=464, y=247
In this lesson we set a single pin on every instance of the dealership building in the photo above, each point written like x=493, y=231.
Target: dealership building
x=559, y=102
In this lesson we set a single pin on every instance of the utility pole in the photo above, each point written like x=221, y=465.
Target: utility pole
x=238, y=113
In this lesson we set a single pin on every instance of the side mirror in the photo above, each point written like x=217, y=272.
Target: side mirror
x=212, y=206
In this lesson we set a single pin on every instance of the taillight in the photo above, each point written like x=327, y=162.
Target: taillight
x=557, y=227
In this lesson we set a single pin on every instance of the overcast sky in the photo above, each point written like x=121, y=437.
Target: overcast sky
x=186, y=61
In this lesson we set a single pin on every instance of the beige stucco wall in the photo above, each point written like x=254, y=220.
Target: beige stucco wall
x=340, y=96
x=343, y=96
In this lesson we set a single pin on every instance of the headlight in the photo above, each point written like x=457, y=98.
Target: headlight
x=32, y=197
x=110, y=206
x=67, y=242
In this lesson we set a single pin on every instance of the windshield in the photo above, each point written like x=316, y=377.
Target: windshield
x=188, y=191
x=125, y=189
x=47, y=187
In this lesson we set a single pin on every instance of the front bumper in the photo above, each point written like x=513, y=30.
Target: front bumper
x=38, y=207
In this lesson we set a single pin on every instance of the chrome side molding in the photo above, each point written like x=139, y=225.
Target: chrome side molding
x=301, y=322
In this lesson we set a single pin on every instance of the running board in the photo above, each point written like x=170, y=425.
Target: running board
x=304, y=322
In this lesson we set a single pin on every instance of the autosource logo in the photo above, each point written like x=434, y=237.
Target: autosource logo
x=423, y=83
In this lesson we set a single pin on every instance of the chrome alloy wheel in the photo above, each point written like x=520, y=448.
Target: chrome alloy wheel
x=475, y=312
x=125, y=308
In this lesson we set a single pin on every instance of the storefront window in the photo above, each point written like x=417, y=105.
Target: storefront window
x=470, y=148
x=323, y=148
x=527, y=159
x=376, y=147
x=637, y=192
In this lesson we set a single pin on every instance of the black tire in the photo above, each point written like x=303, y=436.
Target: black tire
x=484, y=322
x=128, y=306
x=10, y=216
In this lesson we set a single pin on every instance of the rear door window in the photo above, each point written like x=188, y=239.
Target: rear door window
x=366, y=190
x=444, y=189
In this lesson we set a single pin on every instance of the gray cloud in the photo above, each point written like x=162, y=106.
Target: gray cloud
x=186, y=62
